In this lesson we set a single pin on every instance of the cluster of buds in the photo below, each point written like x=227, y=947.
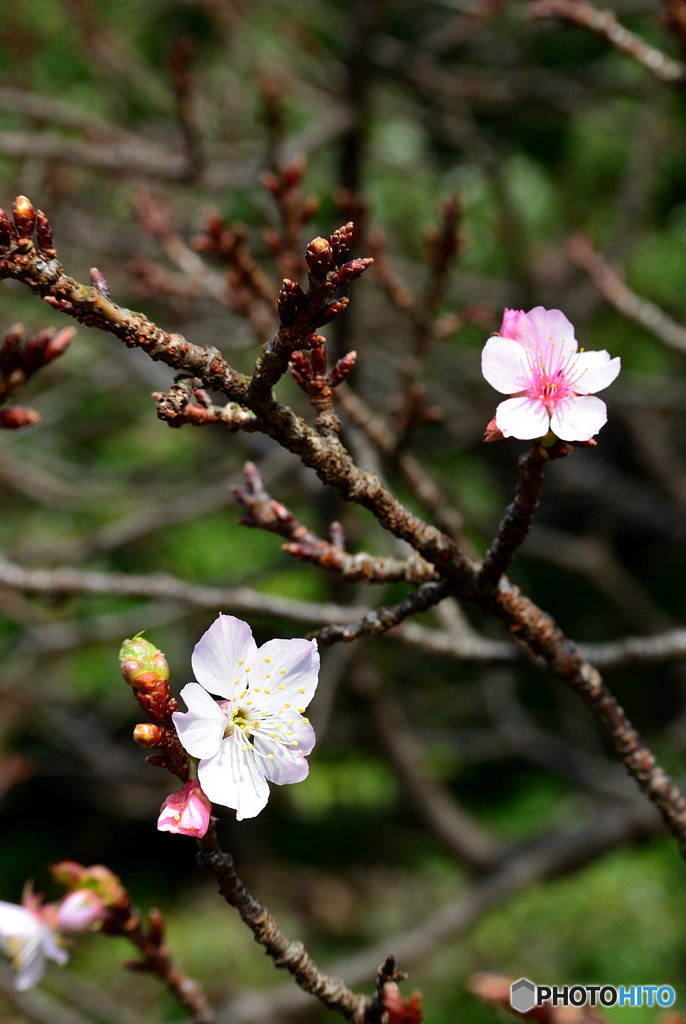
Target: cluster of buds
x=92, y=891
x=98, y=899
x=310, y=373
x=20, y=357
x=18, y=231
x=145, y=669
x=285, y=185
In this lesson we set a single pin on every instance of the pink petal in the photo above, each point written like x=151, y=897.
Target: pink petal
x=548, y=325
x=513, y=323
x=595, y=371
x=201, y=728
x=503, y=365
x=523, y=417
x=217, y=653
x=578, y=418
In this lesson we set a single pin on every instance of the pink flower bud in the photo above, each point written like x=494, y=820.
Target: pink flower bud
x=79, y=911
x=186, y=812
x=511, y=322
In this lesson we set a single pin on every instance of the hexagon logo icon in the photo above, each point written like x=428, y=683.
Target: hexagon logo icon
x=523, y=995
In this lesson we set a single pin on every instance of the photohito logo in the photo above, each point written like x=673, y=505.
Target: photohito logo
x=524, y=995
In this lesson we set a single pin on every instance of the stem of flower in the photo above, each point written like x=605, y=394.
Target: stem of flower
x=517, y=520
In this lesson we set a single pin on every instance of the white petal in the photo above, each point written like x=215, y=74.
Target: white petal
x=504, y=365
x=234, y=778
x=286, y=764
x=17, y=922
x=201, y=728
x=287, y=728
x=285, y=671
x=52, y=948
x=30, y=972
x=524, y=417
x=218, y=651
x=578, y=418
x=595, y=371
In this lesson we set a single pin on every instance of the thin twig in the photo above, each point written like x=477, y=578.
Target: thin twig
x=605, y=24
x=290, y=955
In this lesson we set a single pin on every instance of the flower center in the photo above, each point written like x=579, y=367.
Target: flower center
x=548, y=375
x=238, y=718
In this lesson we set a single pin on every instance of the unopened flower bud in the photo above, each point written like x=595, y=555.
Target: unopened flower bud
x=46, y=246
x=24, y=218
x=18, y=416
x=79, y=911
x=7, y=233
x=187, y=812
x=69, y=873
x=140, y=661
x=99, y=282
x=148, y=735
x=319, y=255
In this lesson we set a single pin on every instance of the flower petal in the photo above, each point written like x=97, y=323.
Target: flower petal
x=287, y=671
x=545, y=326
x=595, y=371
x=523, y=417
x=234, y=779
x=218, y=651
x=201, y=728
x=504, y=365
x=578, y=418
x=285, y=766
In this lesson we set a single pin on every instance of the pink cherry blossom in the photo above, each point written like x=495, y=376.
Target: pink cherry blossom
x=256, y=733
x=27, y=940
x=80, y=910
x=186, y=812
x=514, y=320
x=551, y=384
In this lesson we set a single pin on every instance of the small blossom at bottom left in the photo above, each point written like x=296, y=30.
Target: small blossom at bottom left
x=28, y=941
x=186, y=812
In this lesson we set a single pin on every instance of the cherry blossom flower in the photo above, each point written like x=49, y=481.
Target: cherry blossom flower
x=256, y=733
x=186, y=812
x=551, y=384
x=27, y=940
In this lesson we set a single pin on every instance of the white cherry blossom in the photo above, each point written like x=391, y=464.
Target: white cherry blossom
x=256, y=732
x=27, y=941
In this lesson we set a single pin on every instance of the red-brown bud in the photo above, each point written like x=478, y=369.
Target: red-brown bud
x=318, y=256
x=340, y=239
x=291, y=297
x=34, y=349
x=342, y=368
x=349, y=271
x=46, y=246
x=301, y=368
x=294, y=172
x=148, y=735
x=10, y=351
x=58, y=344
x=156, y=922
x=24, y=219
x=17, y=416
x=7, y=233
x=318, y=360
x=311, y=341
x=99, y=282
x=329, y=312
